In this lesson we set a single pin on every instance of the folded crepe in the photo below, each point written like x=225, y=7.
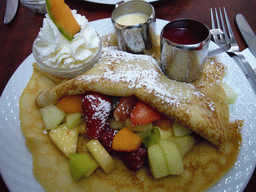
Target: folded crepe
x=123, y=74
x=200, y=106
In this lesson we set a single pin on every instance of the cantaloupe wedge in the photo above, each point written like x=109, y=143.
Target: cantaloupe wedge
x=62, y=17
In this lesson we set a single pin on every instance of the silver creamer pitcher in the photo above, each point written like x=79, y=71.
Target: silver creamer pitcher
x=137, y=38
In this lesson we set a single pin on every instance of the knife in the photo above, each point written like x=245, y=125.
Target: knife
x=247, y=33
x=11, y=8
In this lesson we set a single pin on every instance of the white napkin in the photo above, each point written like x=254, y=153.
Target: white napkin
x=250, y=58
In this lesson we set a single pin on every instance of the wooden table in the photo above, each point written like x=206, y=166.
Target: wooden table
x=17, y=37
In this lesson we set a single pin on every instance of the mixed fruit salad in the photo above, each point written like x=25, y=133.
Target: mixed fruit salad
x=90, y=129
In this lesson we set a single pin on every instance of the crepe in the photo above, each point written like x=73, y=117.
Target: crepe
x=123, y=74
x=200, y=106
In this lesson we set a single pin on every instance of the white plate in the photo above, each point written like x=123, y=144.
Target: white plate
x=16, y=161
x=112, y=2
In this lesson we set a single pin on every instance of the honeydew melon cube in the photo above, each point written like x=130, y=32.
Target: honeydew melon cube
x=172, y=156
x=74, y=119
x=82, y=165
x=180, y=131
x=100, y=154
x=157, y=162
x=65, y=139
x=94, y=167
x=184, y=144
x=114, y=124
x=138, y=128
x=230, y=93
x=52, y=116
x=164, y=134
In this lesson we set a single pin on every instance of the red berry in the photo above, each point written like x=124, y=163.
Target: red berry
x=143, y=114
x=106, y=139
x=97, y=109
x=135, y=160
x=124, y=108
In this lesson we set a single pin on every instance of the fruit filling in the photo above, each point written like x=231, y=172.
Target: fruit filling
x=91, y=129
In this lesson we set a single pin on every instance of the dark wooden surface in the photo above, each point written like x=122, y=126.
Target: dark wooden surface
x=16, y=38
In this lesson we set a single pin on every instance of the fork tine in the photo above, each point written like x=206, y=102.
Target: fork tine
x=230, y=32
x=215, y=37
x=217, y=18
x=213, y=20
x=222, y=40
x=223, y=24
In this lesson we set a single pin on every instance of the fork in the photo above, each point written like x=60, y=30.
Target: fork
x=228, y=38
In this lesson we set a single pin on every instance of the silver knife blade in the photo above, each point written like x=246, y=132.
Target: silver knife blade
x=11, y=8
x=247, y=33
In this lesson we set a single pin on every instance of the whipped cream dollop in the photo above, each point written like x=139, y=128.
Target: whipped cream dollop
x=53, y=49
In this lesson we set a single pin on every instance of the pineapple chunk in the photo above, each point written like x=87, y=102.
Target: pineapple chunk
x=81, y=145
x=101, y=156
x=82, y=130
x=65, y=139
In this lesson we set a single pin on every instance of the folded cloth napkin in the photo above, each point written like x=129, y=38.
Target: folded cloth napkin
x=250, y=58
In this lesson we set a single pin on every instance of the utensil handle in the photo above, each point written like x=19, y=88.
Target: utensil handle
x=247, y=69
x=217, y=51
x=119, y=3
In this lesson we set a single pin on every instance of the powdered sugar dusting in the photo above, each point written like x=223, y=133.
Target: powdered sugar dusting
x=97, y=109
x=100, y=110
x=141, y=72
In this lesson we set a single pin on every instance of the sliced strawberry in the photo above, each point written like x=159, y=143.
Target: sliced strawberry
x=97, y=109
x=143, y=114
x=135, y=160
x=124, y=108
